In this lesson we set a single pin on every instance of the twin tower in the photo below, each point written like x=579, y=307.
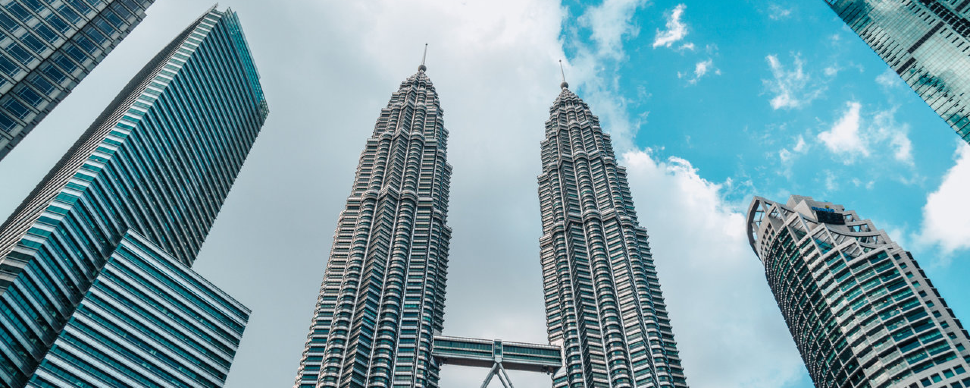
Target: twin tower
x=380, y=311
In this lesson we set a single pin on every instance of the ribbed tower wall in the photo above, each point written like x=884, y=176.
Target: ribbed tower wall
x=603, y=300
x=382, y=297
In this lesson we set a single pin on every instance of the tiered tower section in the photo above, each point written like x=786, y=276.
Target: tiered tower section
x=382, y=297
x=603, y=301
x=859, y=307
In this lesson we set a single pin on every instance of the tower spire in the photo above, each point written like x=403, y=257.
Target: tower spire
x=423, y=57
x=564, y=84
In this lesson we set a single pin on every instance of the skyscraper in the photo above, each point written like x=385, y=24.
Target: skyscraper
x=859, y=307
x=603, y=301
x=157, y=163
x=47, y=48
x=383, y=293
x=925, y=42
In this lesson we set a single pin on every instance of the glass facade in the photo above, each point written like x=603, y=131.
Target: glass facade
x=859, y=307
x=146, y=319
x=926, y=43
x=603, y=301
x=47, y=47
x=383, y=293
x=158, y=162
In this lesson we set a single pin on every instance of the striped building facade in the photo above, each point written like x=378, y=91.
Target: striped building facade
x=603, y=301
x=158, y=163
x=47, y=47
x=926, y=42
x=862, y=312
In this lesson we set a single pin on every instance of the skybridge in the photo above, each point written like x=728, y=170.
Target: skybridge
x=497, y=355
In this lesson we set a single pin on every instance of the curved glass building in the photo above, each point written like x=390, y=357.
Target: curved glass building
x=157, y=163
x=859, y=307
x=926, y=42
x=603, y=301
x=47, y=48
x=383, y=292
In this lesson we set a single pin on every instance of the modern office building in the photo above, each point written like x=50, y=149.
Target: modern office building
x=603, y=301
x=47, y=47
x=146, y=319
x=859, y=307
x=383, y=293
x=155, y=166
x=926, y=43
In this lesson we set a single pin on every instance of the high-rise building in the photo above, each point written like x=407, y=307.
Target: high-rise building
x=925, y=42
x=146, y=319
x=383, y=293
x=157, y=163
x=860, y=309
x=603, y=301
x=47, y=47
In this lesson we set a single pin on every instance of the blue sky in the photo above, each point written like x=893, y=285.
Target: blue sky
x=773, y=98
x=709, y=103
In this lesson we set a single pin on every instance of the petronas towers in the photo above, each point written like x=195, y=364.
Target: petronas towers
x=381, y=305
x=603, y=301
x=383, y=294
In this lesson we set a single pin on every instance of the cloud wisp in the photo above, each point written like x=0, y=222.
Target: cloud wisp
x=676, y=28
x=791, y=88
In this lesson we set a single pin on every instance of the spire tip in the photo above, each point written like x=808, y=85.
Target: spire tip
x=423, y=58
x=564, y=84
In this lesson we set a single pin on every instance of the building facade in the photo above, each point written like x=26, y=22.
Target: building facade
x=926, y=42
x=859, y=307
x=383, y=293
x=158, y=162
x=146, y=319
x=47, y=47
x=603, y=301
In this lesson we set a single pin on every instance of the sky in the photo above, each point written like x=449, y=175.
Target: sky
x=709, y=104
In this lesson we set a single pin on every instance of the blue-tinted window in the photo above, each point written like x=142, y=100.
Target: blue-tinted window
x=17, y=51
x=53, y=73
x=103, y=25
x=95, y=35
x=80, y=6
x=7, y=123
x=7, y=66
x=85, y=44
x=35, y=5
x=69, y=14
x=122, y=12
x=16, y=108
x=19, y=11
x=30, y=96
x=33, y=42
x=65, y=63
x=42, y=84
x=7, y=22
x=114, y=19
x=59, y=24
x=74, y=52
x=45, y=32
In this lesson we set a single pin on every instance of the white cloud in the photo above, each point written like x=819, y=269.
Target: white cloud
x=851, y=139
x=791, y=88
x=689, y=46
x=801, y=146
x=610, y=22
x=727, y=325
x=889, y=79
x=676, y=29
x=945, y=221
x=845, y=138
x=777, y=12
